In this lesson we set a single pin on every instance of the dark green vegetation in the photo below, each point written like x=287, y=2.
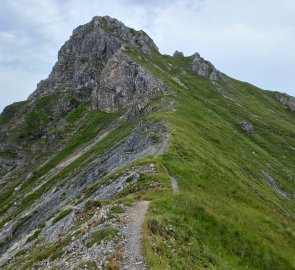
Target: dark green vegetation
x=117, y=210
x=62, y=215
x=34, y=236
x=106, y=233
x=11, y=111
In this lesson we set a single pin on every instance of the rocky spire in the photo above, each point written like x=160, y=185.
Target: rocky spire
x=178, y=54
x=204, y=68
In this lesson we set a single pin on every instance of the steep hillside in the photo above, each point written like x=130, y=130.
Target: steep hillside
x=118, y=136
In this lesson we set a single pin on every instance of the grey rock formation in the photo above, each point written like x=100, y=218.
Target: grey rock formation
x=123, y=82
x=53, y=232
x=6, y=165
x=204, y=68
x=11, y=156
x=178, y=54
x=247, y=127
x=286, y=100
x=273, y=184
x=91, y=64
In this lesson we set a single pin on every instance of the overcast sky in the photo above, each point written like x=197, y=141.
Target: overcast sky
x=250, y=40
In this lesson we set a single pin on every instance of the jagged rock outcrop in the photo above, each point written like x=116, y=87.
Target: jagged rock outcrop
x=286, y=100
x=178, y=54
x=92, y=65
x=123, y=82
x=204, y=68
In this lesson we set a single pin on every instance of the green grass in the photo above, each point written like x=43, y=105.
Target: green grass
x=33, y=236
x=106, y=233
x=204, y=240
x=92, y=205
x=76, y=114
x=38, y=117
x=8, y=154
x=226, y=216
x=11, y=111
x=117, y=210
x=62, y=215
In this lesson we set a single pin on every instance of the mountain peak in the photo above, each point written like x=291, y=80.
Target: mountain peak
x=137, y=39
x=84, y=63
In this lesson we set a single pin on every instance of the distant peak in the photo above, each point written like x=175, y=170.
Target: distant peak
x=204, y=68
x=178, y=54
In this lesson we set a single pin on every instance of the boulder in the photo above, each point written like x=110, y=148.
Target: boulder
x=247, y=127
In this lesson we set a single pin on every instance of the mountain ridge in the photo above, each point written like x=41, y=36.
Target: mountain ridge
x=114, y=122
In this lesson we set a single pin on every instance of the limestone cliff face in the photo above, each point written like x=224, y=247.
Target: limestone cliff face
x=91, y=63
x=123, y=82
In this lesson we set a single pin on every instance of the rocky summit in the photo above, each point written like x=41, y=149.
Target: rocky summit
x=124, y=158
x=93, y=67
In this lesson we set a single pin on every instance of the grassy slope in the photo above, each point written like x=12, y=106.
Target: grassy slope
x=226, y=216
x=89, y=125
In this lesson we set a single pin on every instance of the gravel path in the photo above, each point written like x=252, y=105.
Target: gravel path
x=133, y=257
x=173, y=181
